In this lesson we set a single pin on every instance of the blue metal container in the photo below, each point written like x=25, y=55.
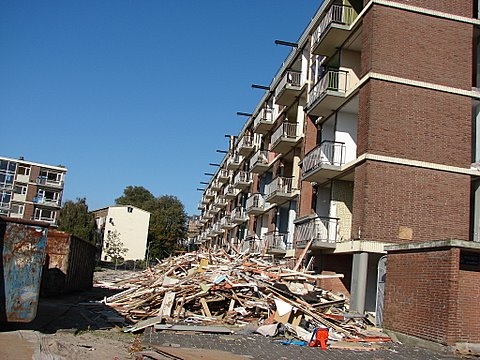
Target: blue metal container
x=23, y=253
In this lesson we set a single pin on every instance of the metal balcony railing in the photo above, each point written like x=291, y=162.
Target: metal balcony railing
x=337, y=14
x=45, y=201
x=245, y=141
x=334, y=80
x=328, y=152
x=264, y=116
x=226, y=222
x=322, y=229
x=239, y=215
x=256, y=201
x=260, y=157
x=234, y=160
x=41, y=180
x=223, y=175
x=291, y=77
x=277, y=241
x=279, y=185
x=242, y=177
x=230, y=191
x=220, y=201
x=285, y=130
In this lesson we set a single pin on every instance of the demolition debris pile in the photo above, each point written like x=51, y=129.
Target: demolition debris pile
x=219, y=292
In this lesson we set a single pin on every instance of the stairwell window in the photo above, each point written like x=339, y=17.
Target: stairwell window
x=130, y=209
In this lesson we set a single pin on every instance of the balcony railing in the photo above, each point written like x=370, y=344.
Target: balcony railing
x=256, y=204
x=242, y=180
x=210, y=194
x=41, y=180
x=263, y=121
x=277, y=242
x=223, y=175
x=226, y=222
x=259, y=162
x=217, y=228
x=246, y=145
x=285, y=131
x=337, y=14
x=323, y=230
x=230, y=191
x=216, y=185
x=45, y=201
x=328, y=153
x=239, y=215
x=234, y=161
x=332, y=80
x=291, y=78
x=220, y=201
x=279, y=185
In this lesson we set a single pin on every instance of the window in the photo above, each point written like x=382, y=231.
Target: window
x=44, y=214
x=129, y=209
x=5, y=197
x=17, y=209
x=23, y=170
x=20, y=189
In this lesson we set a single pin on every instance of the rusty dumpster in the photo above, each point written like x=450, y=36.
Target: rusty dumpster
x=23, y=252
x=69, y=264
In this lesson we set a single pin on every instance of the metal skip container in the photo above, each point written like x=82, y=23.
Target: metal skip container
x=23, y=245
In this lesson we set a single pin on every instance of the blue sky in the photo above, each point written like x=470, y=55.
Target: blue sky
x=138, y=92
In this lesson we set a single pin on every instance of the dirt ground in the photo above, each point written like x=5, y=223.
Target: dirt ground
x=70, y=327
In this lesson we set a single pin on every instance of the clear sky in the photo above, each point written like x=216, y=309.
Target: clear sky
x=137, y=92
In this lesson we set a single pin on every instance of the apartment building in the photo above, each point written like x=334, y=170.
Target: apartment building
x=365, y=149
x=30, y=190
x=129, y=223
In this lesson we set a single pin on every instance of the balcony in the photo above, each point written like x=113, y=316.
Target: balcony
x=224, y=176
x=6, y=186
x=239, y=215
x=216, y=185
x=242, y=180
x=48, y=219
x=221, y=201
x=256, y=205
x=210, y=194
x=259, y=162
x=214, y=209
x=44, y=181
x=246, y=145
x=329, y=93
x=217, y=228
x=284, y=138
x=234, y=161
x=323, y=231
x=208, y=215
x=263, y=122
x=324, y=162
x=255, y=246
x=280, y=190
x=333, y=30
x=204, y=200
x=277, y=243
x=5, y=206
x=45, y=201
x=289, y=88
x=226, y=223
x=230, y=192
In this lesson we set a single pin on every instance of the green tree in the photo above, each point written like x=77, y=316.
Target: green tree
x=168, y=220
x=75, y=219
x=114, y=248
x=137, y=196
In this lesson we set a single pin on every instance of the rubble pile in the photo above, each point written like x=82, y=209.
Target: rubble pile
x=219, y=292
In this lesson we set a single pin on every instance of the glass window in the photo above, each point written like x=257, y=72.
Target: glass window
x=17, y=209
x=23, y=170
x=20, y=189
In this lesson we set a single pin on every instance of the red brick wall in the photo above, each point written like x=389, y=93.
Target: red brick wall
x=413, y=123
x=427, y=296
x=417, y=47
x=467, y=301
x=455, y=7
x=389, y=199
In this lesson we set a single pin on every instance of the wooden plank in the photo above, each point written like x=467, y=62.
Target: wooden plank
x=167, y=304
x=302, y=256
x=205, y=307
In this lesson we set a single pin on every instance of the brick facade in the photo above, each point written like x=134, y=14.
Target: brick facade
x=392, y=201
x=433, y=300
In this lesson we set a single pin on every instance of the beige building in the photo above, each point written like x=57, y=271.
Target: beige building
x=131, y=224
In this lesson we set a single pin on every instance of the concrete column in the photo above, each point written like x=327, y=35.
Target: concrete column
x=359, y=283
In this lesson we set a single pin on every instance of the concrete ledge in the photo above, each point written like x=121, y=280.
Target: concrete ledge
x=470, y=349
x=450, y=243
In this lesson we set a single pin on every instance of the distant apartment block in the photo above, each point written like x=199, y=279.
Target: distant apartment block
x=30, y=190
x=130, y=223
